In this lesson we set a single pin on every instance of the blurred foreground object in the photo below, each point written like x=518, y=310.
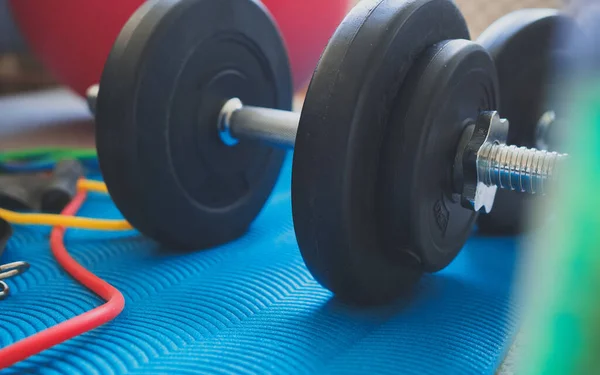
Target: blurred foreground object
x=562, y=325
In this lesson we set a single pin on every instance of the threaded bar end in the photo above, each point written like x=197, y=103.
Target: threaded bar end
x=517, y=168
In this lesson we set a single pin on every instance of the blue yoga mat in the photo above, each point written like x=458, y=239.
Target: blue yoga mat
x=251, y=307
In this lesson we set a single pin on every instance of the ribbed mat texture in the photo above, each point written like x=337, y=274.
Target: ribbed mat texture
x=251, y=307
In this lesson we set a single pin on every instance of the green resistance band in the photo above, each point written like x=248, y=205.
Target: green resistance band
x=46, y=153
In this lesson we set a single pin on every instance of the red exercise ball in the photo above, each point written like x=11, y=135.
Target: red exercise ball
x=73, y=37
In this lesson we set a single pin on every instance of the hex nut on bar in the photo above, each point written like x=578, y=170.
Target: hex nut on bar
x=489, y=130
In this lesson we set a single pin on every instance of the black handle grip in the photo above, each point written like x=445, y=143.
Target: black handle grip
x=5, y=234
x=62, y=186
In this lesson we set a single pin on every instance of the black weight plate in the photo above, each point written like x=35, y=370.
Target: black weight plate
x=344, y=126
x=173, y=66
x=451, y=84
x=528, y=56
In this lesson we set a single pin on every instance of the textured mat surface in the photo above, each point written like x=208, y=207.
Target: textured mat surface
x=252, y=307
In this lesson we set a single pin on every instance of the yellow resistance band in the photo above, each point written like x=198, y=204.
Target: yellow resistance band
x=95, y=186
x=68, y=221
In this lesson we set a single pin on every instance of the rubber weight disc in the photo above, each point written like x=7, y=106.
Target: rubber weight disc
x=341, y=220
x=528, y=56
x=172, y=68
x=450, y=85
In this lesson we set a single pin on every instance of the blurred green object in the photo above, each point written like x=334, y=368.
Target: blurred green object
x=563, y=312
x=561, y=275
x=562, y=309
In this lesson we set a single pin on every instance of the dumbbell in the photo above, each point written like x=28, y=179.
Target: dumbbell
x=397, y=149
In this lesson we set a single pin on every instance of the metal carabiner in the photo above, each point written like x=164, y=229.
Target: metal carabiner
x=13, y=269
x=4, y=290
x=10, y=270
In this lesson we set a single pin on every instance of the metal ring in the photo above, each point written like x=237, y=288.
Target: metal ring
x=224, y=122
x=12, y=269
x=4, y=290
